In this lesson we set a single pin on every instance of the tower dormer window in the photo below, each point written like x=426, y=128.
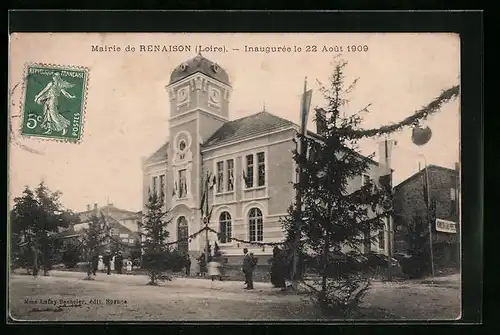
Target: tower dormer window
x=215, y=68
x=183, y=67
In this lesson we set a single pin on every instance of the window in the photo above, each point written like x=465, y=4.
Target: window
x=220, y=177
x=381, y=240
x=162, y=185
x=256, y=225
x=249, y=173
x=113, y=231
x=453, y=196
x=123, y=235
x=365, y=180
x=453, y=201
x=182, y=235
x=261, y=163
x=154, y=185
x=182, y=184
x=225, y=227
x=230, y=174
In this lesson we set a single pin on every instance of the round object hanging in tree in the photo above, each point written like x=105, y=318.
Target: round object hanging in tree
x=421, y=135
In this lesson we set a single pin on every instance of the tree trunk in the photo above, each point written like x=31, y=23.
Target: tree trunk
x=35, y=261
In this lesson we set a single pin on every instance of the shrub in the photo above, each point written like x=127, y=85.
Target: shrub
x=174, y=260
x=71, y=256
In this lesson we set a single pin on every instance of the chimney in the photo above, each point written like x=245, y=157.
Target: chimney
x=88, y=208
x=320, y=121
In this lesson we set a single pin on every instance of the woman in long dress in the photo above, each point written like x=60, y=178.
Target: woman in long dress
x=213, y=268
x=48, y=98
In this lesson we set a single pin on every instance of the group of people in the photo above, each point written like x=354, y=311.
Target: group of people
x=110, y=263
x=213, y=265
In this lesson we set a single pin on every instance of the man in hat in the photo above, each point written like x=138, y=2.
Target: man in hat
x=248, y=264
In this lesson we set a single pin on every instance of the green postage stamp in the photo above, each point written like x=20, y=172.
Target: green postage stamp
x=54, y=102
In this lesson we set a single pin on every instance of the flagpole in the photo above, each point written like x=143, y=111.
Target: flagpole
x=427, y=196
x=299, y=192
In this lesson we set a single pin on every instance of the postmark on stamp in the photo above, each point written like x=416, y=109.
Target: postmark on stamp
x=54, y=102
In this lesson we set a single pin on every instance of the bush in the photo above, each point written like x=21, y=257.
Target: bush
x=175, y=261
x=415, y=264
x=71, y=256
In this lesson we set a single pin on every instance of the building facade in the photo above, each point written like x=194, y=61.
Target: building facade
x=122, y=226
x=251, y=159
x=410, y=210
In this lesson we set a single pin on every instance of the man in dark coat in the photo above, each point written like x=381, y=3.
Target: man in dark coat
x=95, y=263
x=278, y=268
x=248, y=265
x=106, y=259
x=187, y=264
x=119, y=263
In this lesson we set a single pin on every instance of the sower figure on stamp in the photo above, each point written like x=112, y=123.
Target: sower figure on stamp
x=49, y=97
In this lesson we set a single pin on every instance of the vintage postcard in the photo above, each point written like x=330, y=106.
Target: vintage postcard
x=234, y=176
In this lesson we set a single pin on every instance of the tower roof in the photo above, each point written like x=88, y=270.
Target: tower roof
x=202, y=65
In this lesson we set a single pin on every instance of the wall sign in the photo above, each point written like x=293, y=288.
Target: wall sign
x=446, y=226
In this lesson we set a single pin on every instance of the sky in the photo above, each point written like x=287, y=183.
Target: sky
x=127, y=110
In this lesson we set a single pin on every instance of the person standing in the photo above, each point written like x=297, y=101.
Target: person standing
x=187, y=264
x=95, y=263
x=129, y=266
x=107, y=262
x=119, y=263
x=278, y=269
x=213, y=269
x=202, y=264
x=248, y=265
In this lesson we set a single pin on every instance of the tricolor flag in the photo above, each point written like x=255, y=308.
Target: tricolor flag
x=208, y=185
x=305, y=105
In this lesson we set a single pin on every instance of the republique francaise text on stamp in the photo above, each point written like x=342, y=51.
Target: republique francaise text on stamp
x=54, y=102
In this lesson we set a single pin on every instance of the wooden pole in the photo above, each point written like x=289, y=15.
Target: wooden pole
x=429, y=217
x=298, y=196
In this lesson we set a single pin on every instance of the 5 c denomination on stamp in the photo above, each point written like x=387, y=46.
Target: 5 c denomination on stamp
x=54, y=102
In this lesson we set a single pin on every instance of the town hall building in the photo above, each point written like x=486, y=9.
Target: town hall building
x=251, y=158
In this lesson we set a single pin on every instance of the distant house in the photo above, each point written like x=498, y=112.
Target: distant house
x=121, y=224
x=410, y=210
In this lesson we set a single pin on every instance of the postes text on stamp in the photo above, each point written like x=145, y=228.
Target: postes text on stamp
x=54, y=102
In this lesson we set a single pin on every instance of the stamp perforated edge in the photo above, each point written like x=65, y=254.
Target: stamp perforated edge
x=84, y=101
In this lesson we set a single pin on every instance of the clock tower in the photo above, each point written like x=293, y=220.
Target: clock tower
x=199, y=92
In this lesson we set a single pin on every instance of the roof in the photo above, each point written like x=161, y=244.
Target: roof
x=256, y=124
x=159, y=155
x=421, y=172
x=202, y=65
x=252, y=125
x=105, y=210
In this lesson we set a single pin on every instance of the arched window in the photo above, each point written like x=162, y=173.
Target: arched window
x=225, y=227
x=255, y=225
x=182, y=235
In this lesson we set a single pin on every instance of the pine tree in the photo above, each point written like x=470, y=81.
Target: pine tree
x=331, y=219
x=93, y=241
x=154, y=244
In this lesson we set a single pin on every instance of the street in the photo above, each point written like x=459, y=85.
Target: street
x=66, y=296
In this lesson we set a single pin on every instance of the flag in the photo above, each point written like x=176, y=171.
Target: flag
x=247, y=180
x=304, y=108
x=204, y=196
